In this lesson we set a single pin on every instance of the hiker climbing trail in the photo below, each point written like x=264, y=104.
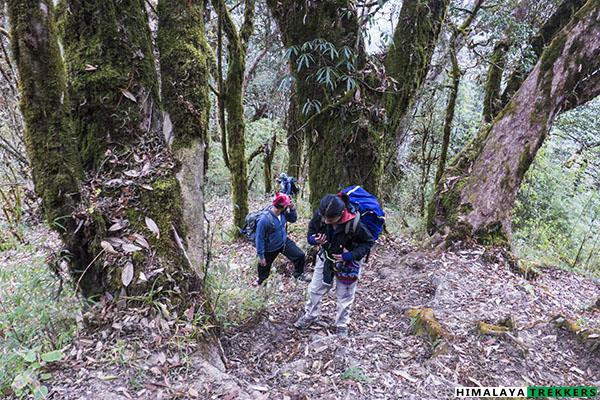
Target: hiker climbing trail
x=383, y=358
x=424, y=323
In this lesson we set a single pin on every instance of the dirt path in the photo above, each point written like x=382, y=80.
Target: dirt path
x=144, y=355
x=383, y=359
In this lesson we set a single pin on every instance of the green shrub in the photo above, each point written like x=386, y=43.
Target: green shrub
x=36, y=322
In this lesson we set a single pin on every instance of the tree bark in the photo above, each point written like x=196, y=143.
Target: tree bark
x=55, y=168
x=233, y=94
x=342, y=146
x=476, y=194
x=184, y=81
x=132, y=233
x=270, y=147
x=449, y=116
x=295, y=139
x=538, y=43
x=407, y=62
x=491, y=100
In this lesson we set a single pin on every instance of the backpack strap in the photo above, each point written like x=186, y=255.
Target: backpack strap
x=351, y=228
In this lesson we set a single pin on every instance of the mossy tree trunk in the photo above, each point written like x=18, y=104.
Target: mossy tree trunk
x=455, y=73
x=55, y=168
x=476, y=194
x=270, y=148
x=491, y=100
x=232, y=93
x=184, y=81
x=342, y=144
x=408, y=61
x=449, y=117
x=133, y=229
x=538, y=43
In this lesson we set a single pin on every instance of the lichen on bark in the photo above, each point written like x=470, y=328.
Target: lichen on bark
x=184, y=67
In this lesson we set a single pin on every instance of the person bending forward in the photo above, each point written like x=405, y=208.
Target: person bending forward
x=344, y=244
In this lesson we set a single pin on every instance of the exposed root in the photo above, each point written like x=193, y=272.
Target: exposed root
x=490, y=329
x=590, y=337
x=424, y=321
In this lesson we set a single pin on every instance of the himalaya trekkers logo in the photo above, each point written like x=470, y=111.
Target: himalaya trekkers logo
x=531, y=392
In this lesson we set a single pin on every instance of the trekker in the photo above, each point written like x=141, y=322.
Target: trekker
x=272, y=239
x=344, y=243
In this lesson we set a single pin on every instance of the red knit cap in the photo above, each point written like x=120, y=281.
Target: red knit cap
x=282, y=200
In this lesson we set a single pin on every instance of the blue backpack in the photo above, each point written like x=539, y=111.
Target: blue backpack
x=367, y=206
x=288, y=184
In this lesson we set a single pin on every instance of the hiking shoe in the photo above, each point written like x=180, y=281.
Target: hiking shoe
x=341, y=331
x=304, y=322
x=304, y=277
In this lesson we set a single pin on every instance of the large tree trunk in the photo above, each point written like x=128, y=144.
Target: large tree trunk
x=132, y=210
x=342, y=144
x=55, y=167
x=476, y=195
x=409, y=57
x=344, y=139
x=407, y=62
x=232, y=94
x=184, y=81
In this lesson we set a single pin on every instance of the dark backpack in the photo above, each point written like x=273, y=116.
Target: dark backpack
x=367, y=209
x=288, y=185
x=251, y=221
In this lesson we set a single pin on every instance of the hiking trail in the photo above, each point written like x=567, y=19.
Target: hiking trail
x=478, y=322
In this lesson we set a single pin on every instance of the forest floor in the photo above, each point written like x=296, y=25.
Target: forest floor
x=148, y=355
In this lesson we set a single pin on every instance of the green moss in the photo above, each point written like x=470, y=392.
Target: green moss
x=55, y=168
x=184, y=69
x=492, y=235
x=552, y=53
x=491, y=101
x=107, y=48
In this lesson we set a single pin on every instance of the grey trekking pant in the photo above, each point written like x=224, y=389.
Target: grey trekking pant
x=317, y=289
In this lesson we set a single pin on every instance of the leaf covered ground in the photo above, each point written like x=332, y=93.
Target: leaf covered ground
x=149, y=352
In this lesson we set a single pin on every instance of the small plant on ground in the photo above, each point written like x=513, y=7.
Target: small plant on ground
x=234, y=301
x=355, y=373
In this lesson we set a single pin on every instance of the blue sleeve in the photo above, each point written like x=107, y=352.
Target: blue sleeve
x=291, y=216
x=260, y=237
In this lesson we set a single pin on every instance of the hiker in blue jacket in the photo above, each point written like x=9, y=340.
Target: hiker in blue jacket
x=344, y=242
x=272, y=239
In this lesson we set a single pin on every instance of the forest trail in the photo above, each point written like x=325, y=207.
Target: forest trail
x=383, y=358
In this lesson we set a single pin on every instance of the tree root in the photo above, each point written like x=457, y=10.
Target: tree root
x=424, y=322
x=589, y=337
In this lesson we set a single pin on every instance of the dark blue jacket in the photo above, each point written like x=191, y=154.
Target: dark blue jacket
x=271, y=233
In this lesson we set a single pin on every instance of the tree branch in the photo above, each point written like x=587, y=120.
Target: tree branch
x=227, y=23
x=248, y=24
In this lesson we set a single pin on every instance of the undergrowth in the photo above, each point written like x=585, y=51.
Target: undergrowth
x=37, y=321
